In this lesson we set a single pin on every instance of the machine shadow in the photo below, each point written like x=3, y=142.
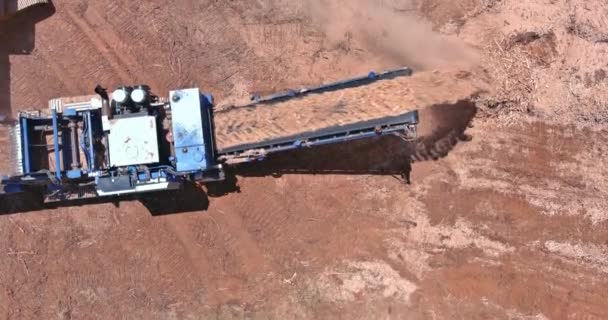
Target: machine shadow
x=17, y=37
x=191, y=198
x=442, y=127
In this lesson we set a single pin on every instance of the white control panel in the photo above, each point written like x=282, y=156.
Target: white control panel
x=133, y=141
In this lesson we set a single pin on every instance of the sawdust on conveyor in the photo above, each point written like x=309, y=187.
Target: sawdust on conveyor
x=250, y=124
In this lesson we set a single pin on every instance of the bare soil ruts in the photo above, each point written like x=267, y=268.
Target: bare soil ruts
x=509, y=225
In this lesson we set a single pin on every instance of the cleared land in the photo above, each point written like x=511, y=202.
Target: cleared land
x=510, y=225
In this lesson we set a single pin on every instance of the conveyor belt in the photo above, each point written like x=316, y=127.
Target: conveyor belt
x=338, y=85
x=301, y=114
x=339, y=131
x=404, y=125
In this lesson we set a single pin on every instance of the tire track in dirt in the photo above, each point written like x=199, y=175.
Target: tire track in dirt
x=116, y=47
x=270, y=222
x=234, y=242
x=242, y=244
x=27, y=96
x=192, y=255
x=47, y=64
x=178, y=263
x=99, y=44
x=230, y=262
x=57, y=66
x=158, y=254
x=529, y=276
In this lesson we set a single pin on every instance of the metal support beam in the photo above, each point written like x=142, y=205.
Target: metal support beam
x=25, y=142
x=73, y=126
x=87, y=118
x=56, y=145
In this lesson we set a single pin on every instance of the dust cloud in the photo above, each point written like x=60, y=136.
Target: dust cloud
x=389, y=28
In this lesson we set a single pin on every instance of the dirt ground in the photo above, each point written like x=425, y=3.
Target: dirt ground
x=509, y=225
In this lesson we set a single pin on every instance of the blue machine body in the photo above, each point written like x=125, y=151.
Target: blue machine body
x=66, y=152
x=114, y=147
x=191, y=116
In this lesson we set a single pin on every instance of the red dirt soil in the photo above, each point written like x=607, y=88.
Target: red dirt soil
x=509, y=225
